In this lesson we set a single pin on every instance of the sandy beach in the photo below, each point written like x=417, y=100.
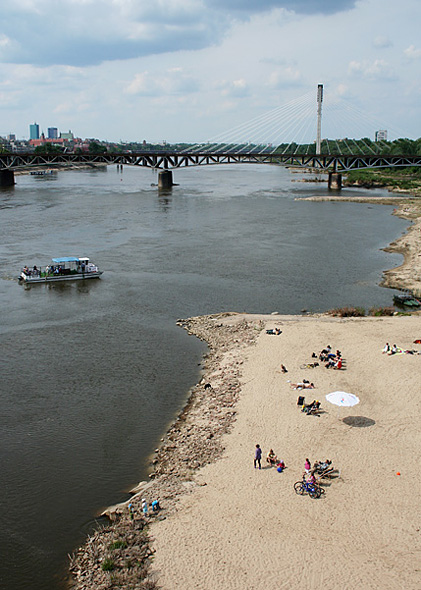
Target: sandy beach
x=224, y=524
x=244, y=528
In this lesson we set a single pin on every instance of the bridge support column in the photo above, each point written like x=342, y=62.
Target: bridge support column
x=7, y=178
x=335, y=181
x=165, y=179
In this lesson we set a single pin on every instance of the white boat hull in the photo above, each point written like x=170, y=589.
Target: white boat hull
x=59, y=278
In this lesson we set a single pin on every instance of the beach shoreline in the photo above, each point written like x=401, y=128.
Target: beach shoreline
x=197, y=440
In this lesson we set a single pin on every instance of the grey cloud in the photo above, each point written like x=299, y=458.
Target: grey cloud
x=88, y=33
x=299, y=6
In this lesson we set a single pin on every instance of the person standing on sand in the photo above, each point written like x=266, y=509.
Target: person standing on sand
x=307, y=466
x=258, y=457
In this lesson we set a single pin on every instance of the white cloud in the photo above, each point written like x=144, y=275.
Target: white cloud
x=172, y=82
x=382, y=42
x=412, y=53
x=377, y=69
x=235, y=88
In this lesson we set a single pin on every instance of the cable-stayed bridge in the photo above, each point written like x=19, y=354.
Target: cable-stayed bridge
x=261, y=140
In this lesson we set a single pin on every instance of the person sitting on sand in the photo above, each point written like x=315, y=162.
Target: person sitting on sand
x=386, y=348
x=281, y=465
x=311, y=478
x=271, y=457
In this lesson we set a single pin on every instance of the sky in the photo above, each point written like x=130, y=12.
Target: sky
x=192, y=70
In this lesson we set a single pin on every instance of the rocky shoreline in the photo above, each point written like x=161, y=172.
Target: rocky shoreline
x=120, y=554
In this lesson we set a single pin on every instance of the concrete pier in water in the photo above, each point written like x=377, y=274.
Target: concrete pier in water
x=7, y=178
x=335, y=181
x=165, y=179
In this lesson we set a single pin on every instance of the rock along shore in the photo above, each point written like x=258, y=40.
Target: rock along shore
x=119, y=555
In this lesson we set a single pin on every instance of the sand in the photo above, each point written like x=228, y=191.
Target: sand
x=226, y=525
x=237, y=527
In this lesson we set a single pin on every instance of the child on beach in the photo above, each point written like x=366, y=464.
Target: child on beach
x=307, y=466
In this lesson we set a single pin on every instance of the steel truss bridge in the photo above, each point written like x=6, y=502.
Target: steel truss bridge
x=170, y=160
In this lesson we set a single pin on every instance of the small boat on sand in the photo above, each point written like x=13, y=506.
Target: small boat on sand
x=68, y=268
x=407, y=300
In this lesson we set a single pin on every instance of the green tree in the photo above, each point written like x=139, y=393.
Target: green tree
x=48, y=148
x=96, y=148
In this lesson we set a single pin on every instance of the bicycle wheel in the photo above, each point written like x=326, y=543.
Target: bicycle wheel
x=299, y=488
x=314, y=492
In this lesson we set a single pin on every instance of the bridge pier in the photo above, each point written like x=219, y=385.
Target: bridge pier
x=7, y=178
x=165, y=179
x=335, y=181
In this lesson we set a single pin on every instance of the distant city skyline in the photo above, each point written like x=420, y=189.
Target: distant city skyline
x=187, y=70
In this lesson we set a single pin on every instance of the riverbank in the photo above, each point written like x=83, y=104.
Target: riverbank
x=219, y=524
x=210, y=445
x=237, y=527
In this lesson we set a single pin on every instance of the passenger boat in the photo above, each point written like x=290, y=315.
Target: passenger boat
x=69, y=268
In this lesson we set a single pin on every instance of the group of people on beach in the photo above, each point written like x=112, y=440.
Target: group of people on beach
x=330, y=358
x=271, y=459
x=154, y=505
x=309, y=472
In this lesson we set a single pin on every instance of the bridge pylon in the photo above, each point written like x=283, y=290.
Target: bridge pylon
x=319, y=119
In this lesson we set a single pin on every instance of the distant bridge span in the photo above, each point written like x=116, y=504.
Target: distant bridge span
x=167, y=160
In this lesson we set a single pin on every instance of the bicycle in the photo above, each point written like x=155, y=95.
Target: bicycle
x=305, y=487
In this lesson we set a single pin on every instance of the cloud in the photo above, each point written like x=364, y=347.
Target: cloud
x=382, y=42
x=235, y=88
x=299, y=6
x=89, y=32
x=285, y=77
x=376, y=70
x=173, y=82
x=412, y=53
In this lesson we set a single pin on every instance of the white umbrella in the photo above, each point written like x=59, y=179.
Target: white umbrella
x=342, y=398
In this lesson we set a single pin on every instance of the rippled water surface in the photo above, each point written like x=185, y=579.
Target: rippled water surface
x=93, y=372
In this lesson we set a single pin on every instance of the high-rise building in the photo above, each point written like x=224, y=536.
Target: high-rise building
x=52, y=133
x=381, y=135
x=34, y=131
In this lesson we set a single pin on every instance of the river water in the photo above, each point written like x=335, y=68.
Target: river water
x=92, y=373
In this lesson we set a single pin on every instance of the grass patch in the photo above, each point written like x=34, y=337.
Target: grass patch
x=108, y=565
x=117, y=545
x=381, y=311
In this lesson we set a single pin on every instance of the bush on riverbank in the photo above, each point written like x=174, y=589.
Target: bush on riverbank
x=347, y=312
x=382, y=311
x=408, y=179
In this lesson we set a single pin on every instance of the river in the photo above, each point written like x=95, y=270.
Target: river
x=94, y=372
